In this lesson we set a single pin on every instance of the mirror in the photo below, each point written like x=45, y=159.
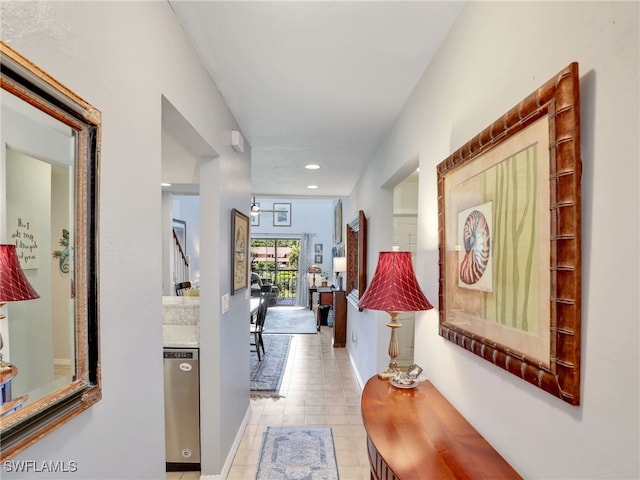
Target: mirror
x=49, y=145
x=356, y=258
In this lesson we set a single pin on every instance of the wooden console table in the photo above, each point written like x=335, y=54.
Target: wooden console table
x=416, y=434
x=338, y=301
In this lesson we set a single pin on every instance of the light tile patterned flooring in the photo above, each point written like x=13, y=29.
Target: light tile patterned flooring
x=319, y=387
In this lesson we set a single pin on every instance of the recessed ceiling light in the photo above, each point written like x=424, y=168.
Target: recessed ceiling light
x=164, y=184
x=312, y=166
x=312, y=186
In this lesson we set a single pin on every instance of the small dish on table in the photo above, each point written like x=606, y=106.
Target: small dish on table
x=411, y=379
x=403, y=381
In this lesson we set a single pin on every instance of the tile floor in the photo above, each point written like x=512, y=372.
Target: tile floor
x=319, y=387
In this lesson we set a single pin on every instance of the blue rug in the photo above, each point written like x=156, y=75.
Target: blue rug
x=286, y=301
x=290, y=320
x=265, y=376
x=297, y=453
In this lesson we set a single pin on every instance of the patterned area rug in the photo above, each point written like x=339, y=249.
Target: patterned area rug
x=290, y=320
x=297, y=453
x=265, y=377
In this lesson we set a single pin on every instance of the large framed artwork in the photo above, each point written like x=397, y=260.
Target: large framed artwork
x=356, y=256
x=239, y=251
x=509, y=215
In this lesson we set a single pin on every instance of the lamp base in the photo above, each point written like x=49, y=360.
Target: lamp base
x=394, y=350
x=390, y=372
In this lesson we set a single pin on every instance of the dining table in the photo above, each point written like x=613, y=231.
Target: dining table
x=254, y=303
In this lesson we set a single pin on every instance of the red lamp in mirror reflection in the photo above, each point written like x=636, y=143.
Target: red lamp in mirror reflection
x=394, y=289
x=14, y=286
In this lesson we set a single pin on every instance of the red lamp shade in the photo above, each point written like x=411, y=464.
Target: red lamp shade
x=14, y=286
x=394, y=287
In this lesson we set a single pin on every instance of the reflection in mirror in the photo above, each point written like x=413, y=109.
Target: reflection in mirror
x=39, y=222
x=48, y=203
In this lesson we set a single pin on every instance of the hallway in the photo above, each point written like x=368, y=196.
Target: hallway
x=319, y=387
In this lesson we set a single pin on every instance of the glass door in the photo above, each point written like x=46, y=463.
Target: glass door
x=275, y=260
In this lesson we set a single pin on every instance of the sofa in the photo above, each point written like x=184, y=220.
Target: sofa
x=263, y=287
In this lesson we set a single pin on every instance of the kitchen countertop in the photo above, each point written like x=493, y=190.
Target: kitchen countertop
x=181, y=321
x=181, y=310
x=180, y=336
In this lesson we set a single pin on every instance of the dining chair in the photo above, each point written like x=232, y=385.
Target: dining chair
x=181, y=287
x=257, y=327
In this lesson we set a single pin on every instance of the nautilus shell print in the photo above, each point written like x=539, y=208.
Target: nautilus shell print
x=475, y=247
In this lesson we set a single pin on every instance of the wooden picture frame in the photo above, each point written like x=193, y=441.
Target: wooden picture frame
x=281, y=214
x=239, y=251
x=337, y=223
x=509, y=208
x=356, y=258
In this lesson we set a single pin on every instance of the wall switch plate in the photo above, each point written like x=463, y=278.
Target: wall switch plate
x=225, y=303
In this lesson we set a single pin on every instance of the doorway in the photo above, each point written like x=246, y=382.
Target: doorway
x=405, y=235
x=275, y=260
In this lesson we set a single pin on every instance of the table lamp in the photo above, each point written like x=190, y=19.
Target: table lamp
x=312, y=271
x=394, y=289
x=339, y=266
x=14, y=286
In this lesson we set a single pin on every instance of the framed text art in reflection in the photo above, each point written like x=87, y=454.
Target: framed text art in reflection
x=509, y=214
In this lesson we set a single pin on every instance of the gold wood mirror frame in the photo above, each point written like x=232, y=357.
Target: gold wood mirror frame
x=40, y=98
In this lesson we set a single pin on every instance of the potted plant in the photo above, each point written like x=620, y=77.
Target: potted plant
x=325, y=279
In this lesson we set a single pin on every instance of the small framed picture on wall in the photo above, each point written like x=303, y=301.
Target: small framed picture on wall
x=281, y=214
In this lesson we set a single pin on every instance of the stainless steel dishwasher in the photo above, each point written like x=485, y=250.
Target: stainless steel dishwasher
x=182, y=409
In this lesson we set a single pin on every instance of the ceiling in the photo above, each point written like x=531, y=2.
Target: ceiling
x=314, y=82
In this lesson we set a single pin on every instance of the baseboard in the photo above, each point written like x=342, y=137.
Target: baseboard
x=353, y=365
x=232, y=451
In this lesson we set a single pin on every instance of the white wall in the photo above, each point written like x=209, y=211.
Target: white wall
x=313, y=215
x=122, y=57
x=496, y=54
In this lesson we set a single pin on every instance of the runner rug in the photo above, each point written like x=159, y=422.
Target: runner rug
x=292, y=453
x=290, y=320
x=265, y=376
